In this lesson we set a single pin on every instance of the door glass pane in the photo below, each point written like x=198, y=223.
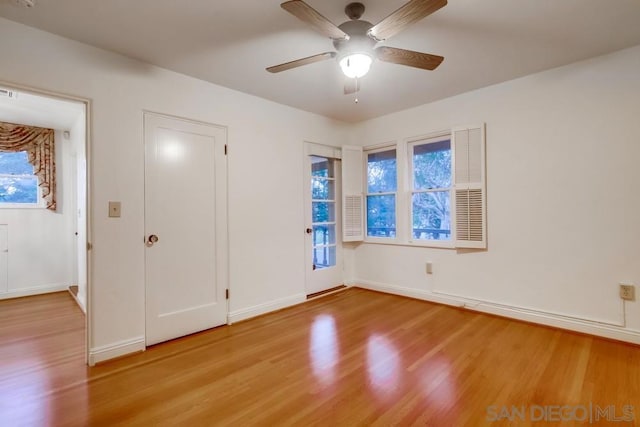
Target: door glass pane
x=432, y=165
x=324, y=257
x=432, y=216
x=323, y=212
x=322, y=189
x=381, y=216
x=381, y=172
x=321, y=166
x=324, y=234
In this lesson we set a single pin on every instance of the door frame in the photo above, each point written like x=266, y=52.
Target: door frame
x=225, y=129
x=335, y=153
x=88, y=199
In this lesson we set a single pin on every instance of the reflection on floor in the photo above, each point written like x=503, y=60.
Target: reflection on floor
x=42, y=353
x=352, y=358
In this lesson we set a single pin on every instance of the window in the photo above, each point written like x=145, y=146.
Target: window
x=423, y=191
x=323, y=212
x=382, y=185
x=18, y=184
x=430, y=170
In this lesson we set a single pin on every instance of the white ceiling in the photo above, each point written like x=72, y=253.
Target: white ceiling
x=231, y=42
x=41, y=111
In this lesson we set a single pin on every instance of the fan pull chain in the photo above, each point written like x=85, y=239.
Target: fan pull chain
x=357, y=89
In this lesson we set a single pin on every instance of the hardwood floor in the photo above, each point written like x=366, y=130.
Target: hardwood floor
x=352, y=358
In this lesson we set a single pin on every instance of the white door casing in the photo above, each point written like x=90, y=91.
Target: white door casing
x=186, y=270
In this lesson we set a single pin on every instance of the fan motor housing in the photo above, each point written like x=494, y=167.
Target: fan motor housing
x=359, y=41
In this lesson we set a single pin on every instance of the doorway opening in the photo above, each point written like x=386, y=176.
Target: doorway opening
x=44, y=203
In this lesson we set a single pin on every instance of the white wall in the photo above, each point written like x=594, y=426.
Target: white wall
x=41, y=241
x=266, y=224
x=562, y=161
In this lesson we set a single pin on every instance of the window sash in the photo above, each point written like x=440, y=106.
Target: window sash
x=39, y=203
x=437, y=143
x=380, y=151
x=394, y=194
x=394, y=228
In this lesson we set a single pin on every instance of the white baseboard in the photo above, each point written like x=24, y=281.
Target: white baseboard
x=35, y=290
x=134, y=345
x=540, y=317
x=79, y=301
x=111, y=351
x=257, y=310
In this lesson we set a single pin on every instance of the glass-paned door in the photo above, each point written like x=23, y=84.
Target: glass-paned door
x=323, y=194
x=324, y=270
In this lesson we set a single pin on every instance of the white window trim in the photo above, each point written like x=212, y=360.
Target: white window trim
x=378, y=148
x=403, y=194
x=404, y=158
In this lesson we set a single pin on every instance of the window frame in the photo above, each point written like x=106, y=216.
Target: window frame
x=468, y=191
x=424, y=140
x=40, y=201
x=404, y=190
x=372, y=149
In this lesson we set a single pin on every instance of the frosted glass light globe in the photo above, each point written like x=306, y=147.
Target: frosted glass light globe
x=355, y=65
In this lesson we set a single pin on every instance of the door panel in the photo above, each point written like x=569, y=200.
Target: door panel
x=324, y=260
x=185, y=207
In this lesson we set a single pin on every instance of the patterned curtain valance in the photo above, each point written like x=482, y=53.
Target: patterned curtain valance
x=40, y=147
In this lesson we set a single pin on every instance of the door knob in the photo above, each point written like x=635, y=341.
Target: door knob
x=151, y=240
x=309, y=230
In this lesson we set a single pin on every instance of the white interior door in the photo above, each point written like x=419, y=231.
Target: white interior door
x=185, y=227
x=324, y=251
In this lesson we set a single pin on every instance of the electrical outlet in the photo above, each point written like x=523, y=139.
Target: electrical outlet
x=627, y=292
x=429, y=267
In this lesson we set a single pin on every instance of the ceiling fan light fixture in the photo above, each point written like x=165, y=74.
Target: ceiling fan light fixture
x=356, y=65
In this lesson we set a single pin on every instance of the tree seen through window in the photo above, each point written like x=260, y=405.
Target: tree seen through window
x=18, y=184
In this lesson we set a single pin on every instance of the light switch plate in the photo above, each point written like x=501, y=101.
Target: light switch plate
x=114, y=209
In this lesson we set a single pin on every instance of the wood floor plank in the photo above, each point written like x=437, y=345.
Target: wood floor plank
x=351, y=358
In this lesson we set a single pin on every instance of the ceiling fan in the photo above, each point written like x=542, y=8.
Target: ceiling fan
x=355, y=40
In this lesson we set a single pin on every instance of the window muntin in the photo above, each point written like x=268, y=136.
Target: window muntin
x=18, y=184
x=382, y=186
x=323, y=212
x=431, y=181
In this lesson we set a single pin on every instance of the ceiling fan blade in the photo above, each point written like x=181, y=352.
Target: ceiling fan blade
x=408, y=57
x=351, y=86
x=301, y=62
x=411, y=12
x=306, y=13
